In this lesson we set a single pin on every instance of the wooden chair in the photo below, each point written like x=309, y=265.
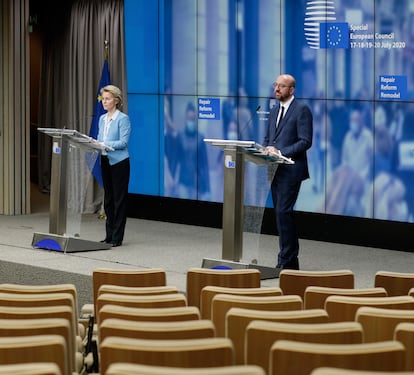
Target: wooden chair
x=137, y=290
x=261, y=335
x=47, y=300
x=237, y=320
x=207, y=352
x=50, y=326
x=222, y=303
x=161, y=314
x=198, y=278
x=49, y=289
x=208, y=293
x=395, y=283
x=299, y=358
x=132, y=369
x=344, y=308
x=339, y=371
x=46, y=368
x=45, y=289
x=404, y=333
x=124, y=277
x=296, y=281
x=379, y=324
x=36, y=348
x=192, y=329
x=151, y=301
x=315, y=296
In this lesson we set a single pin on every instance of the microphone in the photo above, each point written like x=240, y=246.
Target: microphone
x=248, y=122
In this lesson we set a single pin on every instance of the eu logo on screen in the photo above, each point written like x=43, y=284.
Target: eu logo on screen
x=334, y=35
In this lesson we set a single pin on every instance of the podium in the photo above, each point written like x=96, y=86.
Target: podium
x=236, y=153
x=73, y=158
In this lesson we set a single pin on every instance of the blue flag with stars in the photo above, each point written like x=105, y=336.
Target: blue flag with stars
x=334, y=35
x=97, y=113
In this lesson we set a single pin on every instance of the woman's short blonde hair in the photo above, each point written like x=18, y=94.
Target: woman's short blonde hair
x=115, y=92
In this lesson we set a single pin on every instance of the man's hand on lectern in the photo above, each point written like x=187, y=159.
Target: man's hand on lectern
x=272, y=151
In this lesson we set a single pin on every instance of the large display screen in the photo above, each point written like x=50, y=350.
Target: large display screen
x=204, y=69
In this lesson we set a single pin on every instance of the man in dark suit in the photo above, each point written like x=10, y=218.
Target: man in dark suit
x=289, y=132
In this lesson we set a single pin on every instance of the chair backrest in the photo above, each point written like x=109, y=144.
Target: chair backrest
x=45, y=368
x=395, y=283
x=36, y=348
x=208, y=293
x=49, y=289
x=162, y=314
x=260, y=336
x=132, y=369
x=43, y=289
x=379, y=324
x=404, y=333
x=127, y=277
x=296, y=281
x=198, y=278
x=192, y=329
x=339, y=371
x=46, y=300
x=146, y=301
x=344, y=308
x=237, y=320
x=209, y=352
x=222, y=303
x=50, y=326
x=44, y=312
x=137, y=290
x=299, y=358
x=315, y=296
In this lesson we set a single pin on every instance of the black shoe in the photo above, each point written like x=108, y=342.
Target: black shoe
x=105, y=241
x=116, y=244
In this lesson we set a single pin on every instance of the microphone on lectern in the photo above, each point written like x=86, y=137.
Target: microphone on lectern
x=248, y=122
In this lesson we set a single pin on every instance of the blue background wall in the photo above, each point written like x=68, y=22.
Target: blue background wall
x=181, y=50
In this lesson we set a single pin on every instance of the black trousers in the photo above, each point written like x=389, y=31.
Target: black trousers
x=284, y=196
x=115, y=180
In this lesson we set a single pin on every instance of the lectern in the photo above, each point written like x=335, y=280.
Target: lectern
x=73, y=158
x=236, y=153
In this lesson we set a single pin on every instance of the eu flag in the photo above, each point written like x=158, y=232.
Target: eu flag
x=97, y=112
x=334, y=35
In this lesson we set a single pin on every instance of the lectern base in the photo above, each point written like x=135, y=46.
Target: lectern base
x=266, y=272
x=65, y=244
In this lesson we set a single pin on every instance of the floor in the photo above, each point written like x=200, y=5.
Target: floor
x=173, y=247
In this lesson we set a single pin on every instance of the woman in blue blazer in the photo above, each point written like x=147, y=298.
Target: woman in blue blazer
x=114, y=132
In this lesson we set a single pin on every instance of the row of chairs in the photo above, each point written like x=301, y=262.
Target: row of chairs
x=252, y=292
x=143, y=281
x=241, y=322
x=41, y=324
x=291, y=282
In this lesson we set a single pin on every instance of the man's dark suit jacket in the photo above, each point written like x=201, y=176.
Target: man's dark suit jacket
x=292, y=137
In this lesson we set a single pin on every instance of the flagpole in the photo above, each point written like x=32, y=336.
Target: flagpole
x=106, y=44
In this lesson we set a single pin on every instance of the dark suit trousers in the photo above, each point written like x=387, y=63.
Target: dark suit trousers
x=115, y=180
x=284, y=196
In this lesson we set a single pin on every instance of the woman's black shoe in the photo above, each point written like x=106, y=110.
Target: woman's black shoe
x=106, y=241
x=116, y=244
